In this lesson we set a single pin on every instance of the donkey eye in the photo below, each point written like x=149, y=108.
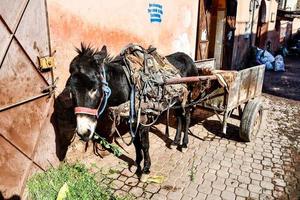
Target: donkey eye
x=92, y=93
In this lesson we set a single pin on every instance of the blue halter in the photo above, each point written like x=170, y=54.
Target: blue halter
x=106, y=92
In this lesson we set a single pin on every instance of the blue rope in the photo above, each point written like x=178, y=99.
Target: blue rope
x=107, y=92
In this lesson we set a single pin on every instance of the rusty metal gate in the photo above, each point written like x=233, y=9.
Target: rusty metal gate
x=26, y=134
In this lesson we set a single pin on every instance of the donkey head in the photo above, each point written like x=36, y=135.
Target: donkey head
x=85, y=84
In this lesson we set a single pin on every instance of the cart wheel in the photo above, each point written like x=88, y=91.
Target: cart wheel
x=251, y=120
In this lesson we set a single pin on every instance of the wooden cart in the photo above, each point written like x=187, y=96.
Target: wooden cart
x=243, y=94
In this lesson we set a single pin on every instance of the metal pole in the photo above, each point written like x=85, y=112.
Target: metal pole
x=23, y=101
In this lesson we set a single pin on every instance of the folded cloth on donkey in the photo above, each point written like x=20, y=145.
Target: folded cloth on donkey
x=148, y=72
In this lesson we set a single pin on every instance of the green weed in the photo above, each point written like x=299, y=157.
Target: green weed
x=82, y=185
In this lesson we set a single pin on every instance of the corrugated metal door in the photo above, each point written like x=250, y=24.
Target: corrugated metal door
x=24, y=109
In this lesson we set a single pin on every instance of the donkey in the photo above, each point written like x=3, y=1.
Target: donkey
x=91, y=71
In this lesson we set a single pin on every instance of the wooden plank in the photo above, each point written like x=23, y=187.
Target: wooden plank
x=260, y=80
x=233, y=94
x=248, y=84
x=207, y=63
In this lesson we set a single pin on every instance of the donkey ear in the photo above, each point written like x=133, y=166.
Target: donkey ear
x=104, y=51
x=99, y=56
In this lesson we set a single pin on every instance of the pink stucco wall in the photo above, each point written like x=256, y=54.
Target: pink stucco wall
x=116, y=23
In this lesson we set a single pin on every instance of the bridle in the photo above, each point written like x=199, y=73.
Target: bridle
x=103, y=102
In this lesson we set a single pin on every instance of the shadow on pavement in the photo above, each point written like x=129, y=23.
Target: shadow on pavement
x=284, y=84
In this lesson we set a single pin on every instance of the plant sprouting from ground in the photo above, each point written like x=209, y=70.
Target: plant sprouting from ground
x=192, y=171
x=68, y=181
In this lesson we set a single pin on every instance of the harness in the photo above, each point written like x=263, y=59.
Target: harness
x=146, y=72
x=103, y=102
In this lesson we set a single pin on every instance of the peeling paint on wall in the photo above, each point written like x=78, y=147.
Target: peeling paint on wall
x=182, y=43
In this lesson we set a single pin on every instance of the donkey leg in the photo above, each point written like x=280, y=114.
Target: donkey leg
x=187, y=119
x=145, y=148
x=138, y=153
x=179, y=127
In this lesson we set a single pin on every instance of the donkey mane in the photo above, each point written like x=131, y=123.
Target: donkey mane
x=89, y=51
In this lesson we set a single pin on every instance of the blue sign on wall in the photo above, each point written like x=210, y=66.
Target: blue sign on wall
x=156, y=12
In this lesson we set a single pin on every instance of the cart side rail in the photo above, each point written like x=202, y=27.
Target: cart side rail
x=207, y=63
x=248, y=85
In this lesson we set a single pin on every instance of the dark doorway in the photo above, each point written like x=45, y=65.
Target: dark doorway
x=231, y=7
x=262, y=26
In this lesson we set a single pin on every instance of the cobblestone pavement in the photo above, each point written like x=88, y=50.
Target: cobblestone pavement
x=216, y=167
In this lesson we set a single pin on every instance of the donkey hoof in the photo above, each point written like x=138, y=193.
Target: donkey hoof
x=139, y=172
x=174, y=143
x=184, y=146
x=146, y=171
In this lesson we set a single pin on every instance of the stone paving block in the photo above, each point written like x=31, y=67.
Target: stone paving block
x=279, y=182
x=240, y=198
x=230, y=189
x=241, y=192
x=235, y=171
x=209, y=177
x=222, y=174
x=257, y=166
x=212, y=171
x=219, y=184
x=257, y=156
x=136, y=191
x=228, y=195
x=255, y=176
x=120, y=193
x=126, y=188
x=225, y=163
x=127, y=173
x=200, y=196
x=216, y=192
x=267, y=185
x=265, y=197
x=213, y=197
x=122, y=178
x=231, y=182
x=255, y=189
x=186, y=197
x=174, y=195
x=245, y=168
x=132, y=181
x=159, y=196
x=243, y=185
x=147, y=195
x=267, y=179
x=244, y=179
x=215, y=165
x=191, y=191
x=116, y=184
x=153, y=188
x=205, y=187
x=254, y=195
